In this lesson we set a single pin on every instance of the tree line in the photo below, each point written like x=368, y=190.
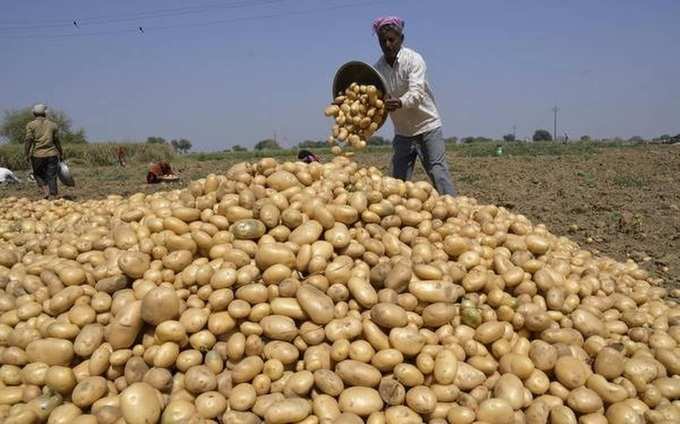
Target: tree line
x=181, y=145
x=13, y=129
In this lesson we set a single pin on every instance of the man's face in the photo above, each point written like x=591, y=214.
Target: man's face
x=390, y=42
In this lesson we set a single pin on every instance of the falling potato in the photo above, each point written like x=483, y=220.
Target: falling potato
x=358, y=113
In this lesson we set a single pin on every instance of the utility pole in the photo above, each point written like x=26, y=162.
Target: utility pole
x=555, y=110
x=514, y=131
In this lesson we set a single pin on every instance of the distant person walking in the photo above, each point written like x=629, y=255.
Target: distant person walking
x=121, y=154
x=417, y=124
x=43, y=150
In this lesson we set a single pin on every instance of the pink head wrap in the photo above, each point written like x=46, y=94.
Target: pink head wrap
x=388, y=20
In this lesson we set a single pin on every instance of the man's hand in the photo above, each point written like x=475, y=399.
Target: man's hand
x=392, y=104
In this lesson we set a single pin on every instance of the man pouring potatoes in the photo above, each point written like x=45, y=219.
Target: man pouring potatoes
x=417, y=124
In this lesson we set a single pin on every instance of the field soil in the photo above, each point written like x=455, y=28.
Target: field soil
x=619, y=202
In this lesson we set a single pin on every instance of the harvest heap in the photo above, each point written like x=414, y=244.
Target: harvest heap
x=321, y=293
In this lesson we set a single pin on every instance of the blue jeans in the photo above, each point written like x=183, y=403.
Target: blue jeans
x=432, y=151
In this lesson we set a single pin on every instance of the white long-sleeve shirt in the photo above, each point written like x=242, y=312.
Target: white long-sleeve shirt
x=407, y=81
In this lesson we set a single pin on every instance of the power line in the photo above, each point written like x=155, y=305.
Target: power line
x=61, y=22
x=157, y=14
x=193, y=24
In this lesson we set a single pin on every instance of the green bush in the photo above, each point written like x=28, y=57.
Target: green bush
x=13, y=126
x=96, y=154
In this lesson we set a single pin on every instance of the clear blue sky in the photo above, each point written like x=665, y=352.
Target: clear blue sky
x=612, y=66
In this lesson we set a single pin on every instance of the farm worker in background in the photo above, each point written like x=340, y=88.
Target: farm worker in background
x=417, y=124
x=307, y=157
x=157, y=171
x=7, y=176
x=43, y=150
x=121, y=153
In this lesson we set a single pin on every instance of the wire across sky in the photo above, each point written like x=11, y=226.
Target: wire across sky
x=146, y=22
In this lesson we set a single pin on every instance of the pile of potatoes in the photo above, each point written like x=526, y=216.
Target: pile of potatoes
x=359, y=112
x=321, y=294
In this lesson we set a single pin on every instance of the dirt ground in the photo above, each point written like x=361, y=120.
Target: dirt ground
x=623, y=202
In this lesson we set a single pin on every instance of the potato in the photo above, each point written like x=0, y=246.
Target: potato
x=123, y=330
x=355, y=373
x=306, y=233
x=134, y=264
x=316, y=304
x=177, y=260
x=489, y=332
x=140, y=404
x=408, y=375
x=435, y=291
x=282, y=180
x=328, y=382
x=361, y=401
x=211, y=404
x=159, y=378
x=438, y=314
x=584, y=401
x=247, y=369
x=495, y=411
x=178, y=411
x=50, y=351
x=88, y=391
x=388, y=315
x=570, y=372
x=511, y=389
x=274, y=254
x=88, y=340
x=288, y=411
x=407, y=340
x=279, y=327
x=199, y=379
x=622, y=413
x=159, y=305
x=10, y=395
x=562, y=415
x=445, y=367
x=60, y=379
x=421, y=400
x=401, y=415
x=468, y=377
x=64, y=414
x=325, y=407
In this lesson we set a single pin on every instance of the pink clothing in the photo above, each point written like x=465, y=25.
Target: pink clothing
x=388, y=20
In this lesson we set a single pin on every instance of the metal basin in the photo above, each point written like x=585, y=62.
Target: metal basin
x=64, y=174
x=361, y=73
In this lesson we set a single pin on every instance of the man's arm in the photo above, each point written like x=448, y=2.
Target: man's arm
x=57, y=144
x=416, y=84
x=28, y=142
